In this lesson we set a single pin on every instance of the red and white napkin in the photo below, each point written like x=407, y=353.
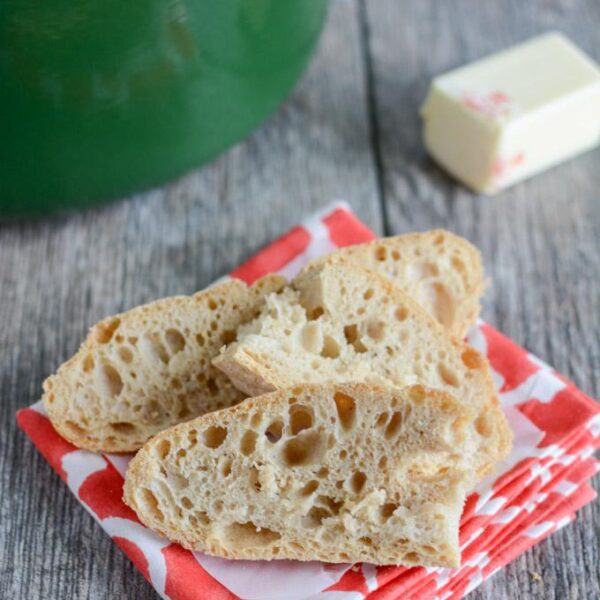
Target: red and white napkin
x=536, y=491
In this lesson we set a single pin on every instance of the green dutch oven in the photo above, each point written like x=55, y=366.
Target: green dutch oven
x=99, y=98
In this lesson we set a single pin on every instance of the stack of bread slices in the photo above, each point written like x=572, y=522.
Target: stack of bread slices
x=337, y=417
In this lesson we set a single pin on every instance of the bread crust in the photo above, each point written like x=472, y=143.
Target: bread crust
x=442, y=271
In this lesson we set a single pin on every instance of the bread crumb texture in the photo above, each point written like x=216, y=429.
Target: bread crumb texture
x=338, y=322
x=142, y=371
x=332, y=472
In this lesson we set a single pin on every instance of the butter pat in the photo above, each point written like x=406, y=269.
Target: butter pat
x=503, y=118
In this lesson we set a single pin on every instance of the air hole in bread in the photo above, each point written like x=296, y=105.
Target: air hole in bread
x=74, y=428
x=314, y=517
x=104, y=331
x=150, y=502
x=303, y=450
x=214, y=436
x=193, y=437
x=471, y=359
x=448, y=375
x=441, y=302
x=483, y=425
x=311, y=338
x=184, y=411
x=459, y=265
x=187, y=503
x=330, y=349
x=376, y=330
x=401, y=313
x=125, y=354
x=256, y=419
x=123, y=427
x=181, y=453
x=248, y=535
x=332, y=505
x=394, y=425
x=346, y=409
x=368, y=294
x=88, y=363
x=109, y=381
x=412, y=557
x=367, y=541
x=212, y=304
x=309, y=488
x=382, y=464
x=163, y=448
x=200, y=339
x=175, y=340
x=323, y=472
x=380, y=253
x=153, y=348
x=315, y=313
x=422, y=270
x=343, y=454
x=387, y=510
x=248, y=443
x=458, y=429
x=382, y=419
x=274, y=431
x=417, y=394
x=353, y=338
x=228, y=336
x=301, y=418
x=253, y=479
x=357, y=481
x=395, y=255
x=226, y=467
x=51, y=398
x=213, y=388
x=202, y=517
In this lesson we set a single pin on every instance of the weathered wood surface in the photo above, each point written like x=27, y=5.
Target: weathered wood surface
x=349, y=130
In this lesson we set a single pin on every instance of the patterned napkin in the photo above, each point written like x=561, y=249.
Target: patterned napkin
x=533, y=493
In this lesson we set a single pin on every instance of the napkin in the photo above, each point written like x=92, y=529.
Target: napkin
x=533, y=493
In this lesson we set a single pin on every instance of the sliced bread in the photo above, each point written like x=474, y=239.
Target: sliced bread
x=442, y=271
x=337, y=473
x=338, y=322
x=144, y=370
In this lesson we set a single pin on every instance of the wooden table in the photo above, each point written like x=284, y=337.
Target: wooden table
x=350, y=130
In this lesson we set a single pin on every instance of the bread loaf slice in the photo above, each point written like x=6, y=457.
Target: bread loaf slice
x=338, y=473
x=442, y=271
x=144, y=370
x=339, y=322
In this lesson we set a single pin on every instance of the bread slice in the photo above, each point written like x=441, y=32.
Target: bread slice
x=442, y=271
x=144, y=370
x=338, y=473
x=339, y=322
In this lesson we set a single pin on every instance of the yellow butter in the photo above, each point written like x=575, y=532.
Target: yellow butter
x=511, y=115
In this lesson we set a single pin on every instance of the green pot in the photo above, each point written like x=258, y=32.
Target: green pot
x=100, y=98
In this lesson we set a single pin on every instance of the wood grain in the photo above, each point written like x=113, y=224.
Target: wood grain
x=349, y=130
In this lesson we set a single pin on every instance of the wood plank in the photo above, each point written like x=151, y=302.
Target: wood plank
x=59, y=276
x=540, y=239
